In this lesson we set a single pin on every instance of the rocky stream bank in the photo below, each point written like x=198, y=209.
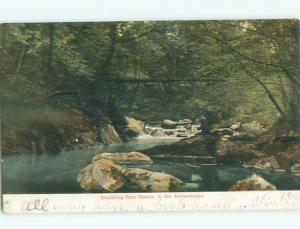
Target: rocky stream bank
x=68, y=153
x=231, y=145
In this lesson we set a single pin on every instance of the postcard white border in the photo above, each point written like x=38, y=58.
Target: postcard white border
x=151, y=202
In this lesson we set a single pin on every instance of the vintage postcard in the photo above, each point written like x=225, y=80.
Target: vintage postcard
x=146, y=116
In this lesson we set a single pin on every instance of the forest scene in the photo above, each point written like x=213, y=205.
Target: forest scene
x=150, y=106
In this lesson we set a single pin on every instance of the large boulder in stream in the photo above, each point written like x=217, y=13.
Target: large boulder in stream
x=102, y=175
x=135, y=125
x=105, y=176
x=131, y=157
x=253, y=183
x=109, y=135
x=145, y=180
x=168, y=124
x=133, y=128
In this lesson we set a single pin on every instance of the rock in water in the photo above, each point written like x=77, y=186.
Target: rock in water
x=151, y=181
x=223, y=131
x=181, y=122
x=182, y=135
x=134, y=127
x=182, y=130
x=184, y=122
x=132, y=157
x=253, y=183
x=109, y=135
x=195, y=128
x=158, y=133
x=236, y=126
x=102, y=175
x=242, y=137
x=266, y=163
x=296, y=169
x=169, y=132
x=168, y=124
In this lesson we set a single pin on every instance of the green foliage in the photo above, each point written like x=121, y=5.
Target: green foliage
x=256, y=62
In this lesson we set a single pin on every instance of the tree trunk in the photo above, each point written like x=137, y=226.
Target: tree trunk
x=3, y=31
x=50, y=50
x=174, y=65
x=20, y=60
x=285, y=98
x=271, y=97
x=99, y=91
x=261, y=83
x=102, y=73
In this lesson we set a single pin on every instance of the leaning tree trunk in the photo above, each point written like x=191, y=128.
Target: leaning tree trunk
x=99, y=89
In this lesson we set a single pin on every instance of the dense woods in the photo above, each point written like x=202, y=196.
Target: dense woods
x=233, y=84
x=243, y=69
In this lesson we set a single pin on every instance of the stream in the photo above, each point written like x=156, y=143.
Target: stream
x=58, y=173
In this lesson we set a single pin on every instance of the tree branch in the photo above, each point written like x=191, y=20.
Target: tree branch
x=164, y=80
x=282, y=68
x=137, y=36
x=51, y=94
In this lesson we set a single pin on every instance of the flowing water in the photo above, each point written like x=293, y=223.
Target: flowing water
x=57, y=174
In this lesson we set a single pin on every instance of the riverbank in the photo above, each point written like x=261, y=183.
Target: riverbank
x=236, y=145
x=202, y=161
x=40, y=129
